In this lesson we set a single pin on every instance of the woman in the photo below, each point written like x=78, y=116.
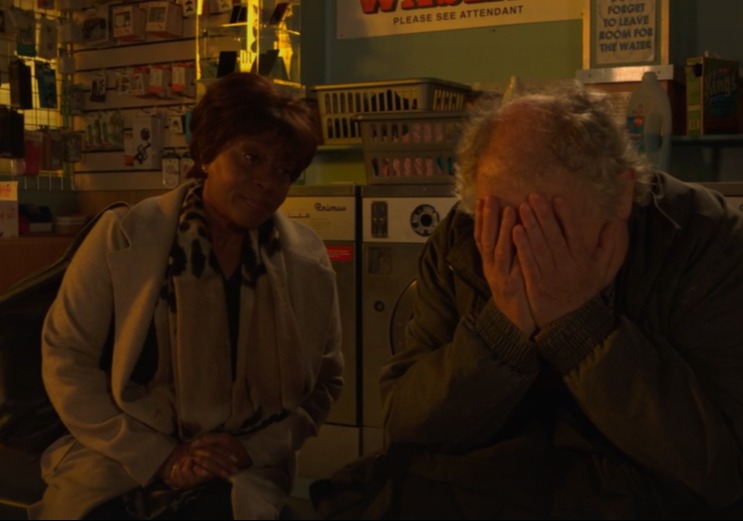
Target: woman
x=195, y=342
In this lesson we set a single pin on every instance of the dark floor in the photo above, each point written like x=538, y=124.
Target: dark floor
x=21, y=485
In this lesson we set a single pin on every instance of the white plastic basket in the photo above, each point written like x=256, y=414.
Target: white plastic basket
x=339, y=104
x=410, y=147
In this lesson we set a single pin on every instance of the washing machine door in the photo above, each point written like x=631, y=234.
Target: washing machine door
x=401, y=315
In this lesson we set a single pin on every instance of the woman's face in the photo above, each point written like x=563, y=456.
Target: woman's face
x=247, y=181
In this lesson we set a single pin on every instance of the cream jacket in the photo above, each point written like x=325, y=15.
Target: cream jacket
x=118, y=441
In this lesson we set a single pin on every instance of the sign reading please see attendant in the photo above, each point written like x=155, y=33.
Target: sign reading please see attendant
x=366, y=18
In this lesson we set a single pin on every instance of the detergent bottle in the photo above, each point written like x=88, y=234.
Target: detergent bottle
x=649, y=121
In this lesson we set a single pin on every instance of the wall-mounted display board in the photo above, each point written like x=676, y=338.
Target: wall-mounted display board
x=133, y=90
x=36, y=146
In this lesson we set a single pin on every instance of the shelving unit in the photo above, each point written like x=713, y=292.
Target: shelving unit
x=716, y=140
x=29, y=35
x=708, y=158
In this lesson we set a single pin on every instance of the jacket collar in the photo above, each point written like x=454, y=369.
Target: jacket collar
x=463, y=257
x=652, y=229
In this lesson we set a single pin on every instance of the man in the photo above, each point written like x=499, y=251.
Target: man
x=576, y=347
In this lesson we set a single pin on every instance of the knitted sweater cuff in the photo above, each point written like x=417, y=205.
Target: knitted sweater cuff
x=504, y=339
x=568, y=340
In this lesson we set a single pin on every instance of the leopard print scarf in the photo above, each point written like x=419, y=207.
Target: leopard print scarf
x=192, y=326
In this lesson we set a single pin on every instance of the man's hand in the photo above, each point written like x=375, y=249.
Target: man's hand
x=500, y=264
x=561, y=270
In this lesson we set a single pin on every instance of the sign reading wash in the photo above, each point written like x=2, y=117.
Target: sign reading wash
x=365, y=18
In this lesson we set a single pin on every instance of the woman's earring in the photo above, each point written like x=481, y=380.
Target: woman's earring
x=203, y=168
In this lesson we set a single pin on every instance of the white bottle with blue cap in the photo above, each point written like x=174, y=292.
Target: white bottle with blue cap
x=649, y=121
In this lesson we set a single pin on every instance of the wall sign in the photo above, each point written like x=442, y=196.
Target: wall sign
x=625, y=32
x=367, y=18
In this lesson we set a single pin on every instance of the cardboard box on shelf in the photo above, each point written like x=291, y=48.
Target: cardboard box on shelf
x=711, y=96
x=164, y=19
x=129, y=23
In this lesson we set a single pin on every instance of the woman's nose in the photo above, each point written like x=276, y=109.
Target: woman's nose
x=269, y=176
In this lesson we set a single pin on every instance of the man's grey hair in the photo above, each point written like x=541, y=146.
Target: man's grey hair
x=574, y=128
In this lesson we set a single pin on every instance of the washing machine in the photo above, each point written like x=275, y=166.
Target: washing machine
x=333, y=211
x=396, y=222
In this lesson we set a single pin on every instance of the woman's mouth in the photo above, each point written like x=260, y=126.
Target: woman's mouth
x=255, y=204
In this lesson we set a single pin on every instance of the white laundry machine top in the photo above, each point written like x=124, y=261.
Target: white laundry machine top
x=407, y=214
x=330, y=210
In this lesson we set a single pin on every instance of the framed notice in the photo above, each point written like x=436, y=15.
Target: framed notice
x=625, y=32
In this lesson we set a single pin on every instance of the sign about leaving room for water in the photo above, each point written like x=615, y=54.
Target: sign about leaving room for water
x=367, y=18
x=624, y=32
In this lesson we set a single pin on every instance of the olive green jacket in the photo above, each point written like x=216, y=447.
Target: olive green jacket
x=631, y=406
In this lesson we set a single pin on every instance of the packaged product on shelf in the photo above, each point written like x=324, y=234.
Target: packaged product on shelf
x=73, y=146
x=19, y=77
x=147, y=134
x=23, y=23
x=8, y=209
x=139, y=84
x=649, y=121
x=53, y=149
x=129, y=150
x=95, y=25
x=129, y=22
x=187, y=163
x=171, y=168
x=11, y=132
x=160, y=79
x=47, y=38
x=182, y=80
x=711, y=96
x=46, y=82
x=164, y=19
x=34, y=150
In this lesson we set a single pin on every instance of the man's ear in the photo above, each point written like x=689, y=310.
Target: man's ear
x=626, y=197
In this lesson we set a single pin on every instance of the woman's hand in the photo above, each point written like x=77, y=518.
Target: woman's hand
x=219, y=454
x=212, y=455
x=180, y=470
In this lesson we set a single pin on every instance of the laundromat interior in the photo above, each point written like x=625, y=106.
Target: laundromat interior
x=361, y=63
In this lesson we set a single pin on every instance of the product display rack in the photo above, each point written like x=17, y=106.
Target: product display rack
x=260, y=36
x=21, y=40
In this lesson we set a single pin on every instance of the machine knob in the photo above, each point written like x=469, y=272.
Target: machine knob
x=424, y=219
